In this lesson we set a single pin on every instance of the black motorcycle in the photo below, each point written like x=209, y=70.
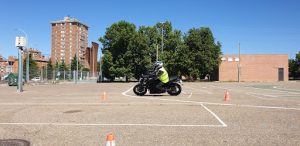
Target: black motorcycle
x=148, y=82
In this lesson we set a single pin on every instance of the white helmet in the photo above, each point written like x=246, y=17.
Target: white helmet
x=158, y=65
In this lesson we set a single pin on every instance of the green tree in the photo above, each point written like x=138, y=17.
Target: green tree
x=85, y=69
x=128, y=52
x=107, y=63
x=137, y=56
x=49, y=69
x=74, y=64
x=294, y=66
x=116, y=41
x=62, y=66
x=33, y=68
x=205, y=53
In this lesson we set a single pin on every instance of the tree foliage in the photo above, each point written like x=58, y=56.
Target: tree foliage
x=205, y=53
x=74, y=64
x=129, y=51
x=34, y=70
x=294, y=66
x=49, y=69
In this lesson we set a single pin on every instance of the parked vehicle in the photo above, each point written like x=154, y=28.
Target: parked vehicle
x=36, y=79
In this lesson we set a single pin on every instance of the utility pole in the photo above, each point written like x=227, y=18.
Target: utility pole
x=27, y=58
x=93, y=53
x=156, y=53
x=101, y=68
x=20, y=43
x=76, y=74
x=162, y=38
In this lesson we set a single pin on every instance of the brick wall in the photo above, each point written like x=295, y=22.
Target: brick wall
x=253, y=68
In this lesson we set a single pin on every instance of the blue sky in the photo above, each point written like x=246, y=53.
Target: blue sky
x=261, y=26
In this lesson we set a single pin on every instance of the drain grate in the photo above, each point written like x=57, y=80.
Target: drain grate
x=14, y=142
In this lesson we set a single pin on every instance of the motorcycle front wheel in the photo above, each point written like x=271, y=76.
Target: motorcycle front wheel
x=139, y=90
x=175, y=89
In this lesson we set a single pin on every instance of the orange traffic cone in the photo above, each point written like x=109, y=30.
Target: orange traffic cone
x=110, y=140
x=104, y=97
x=226, y=97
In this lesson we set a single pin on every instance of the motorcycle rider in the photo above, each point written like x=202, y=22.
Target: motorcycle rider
x=160, y=73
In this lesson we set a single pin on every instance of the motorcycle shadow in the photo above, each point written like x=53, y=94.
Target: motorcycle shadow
x=155, y=95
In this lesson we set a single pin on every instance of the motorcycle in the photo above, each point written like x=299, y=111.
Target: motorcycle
x=148, y=83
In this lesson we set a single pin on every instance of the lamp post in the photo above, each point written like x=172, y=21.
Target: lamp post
x=20, y=43
x=27, y=59
x=76, y=74
x=101, y=68
x=162, y=36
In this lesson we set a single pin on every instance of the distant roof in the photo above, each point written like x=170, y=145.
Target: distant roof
x=69, y=19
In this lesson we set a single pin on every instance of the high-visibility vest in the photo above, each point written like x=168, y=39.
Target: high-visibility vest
x=164, y=77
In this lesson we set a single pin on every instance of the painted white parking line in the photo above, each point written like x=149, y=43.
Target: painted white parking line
x=254, y=95
x=209, y=103
x=260, y=94
x=288, y=92
x=203, y=91
x=214, y=115
x=99, y=124
x=105, y=104
x=190, y=95
x=278, y=97
x=222, y=123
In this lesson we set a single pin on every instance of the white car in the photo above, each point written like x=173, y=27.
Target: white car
x=36, y=79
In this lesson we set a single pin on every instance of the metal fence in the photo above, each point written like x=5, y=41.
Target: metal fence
x=68, y=75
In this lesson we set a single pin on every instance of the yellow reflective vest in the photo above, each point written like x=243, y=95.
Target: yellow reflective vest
x=164, y=77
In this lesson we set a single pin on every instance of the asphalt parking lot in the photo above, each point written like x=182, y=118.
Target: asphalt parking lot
x=69, y=114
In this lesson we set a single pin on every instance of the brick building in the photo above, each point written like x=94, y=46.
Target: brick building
x=36, y=55
x=254, y=68
x=69, y=36
x=11, y=64
x=91, y=58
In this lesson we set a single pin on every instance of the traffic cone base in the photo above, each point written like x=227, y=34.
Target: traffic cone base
x=104, y=97
x=110, y=140
x=226, y=96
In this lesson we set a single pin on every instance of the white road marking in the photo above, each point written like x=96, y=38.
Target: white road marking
x=273, y=90
x=98, y=124
x=55, y=104
x=214, y=115
x=190, y=95
x=203, y=91
x=223, y=124
x=219, y=87
x=210, y=103
x=266, y=95
x=279, y=97
x=258, y=96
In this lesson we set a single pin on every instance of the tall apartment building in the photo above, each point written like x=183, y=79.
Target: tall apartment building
x=69, y=37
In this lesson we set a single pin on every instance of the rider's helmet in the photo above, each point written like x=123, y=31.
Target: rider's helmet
x=158, y=65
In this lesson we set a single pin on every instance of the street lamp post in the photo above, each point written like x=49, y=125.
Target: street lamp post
x=20, y=43
x=27, y=59
x=76, y=74
x=162, y=37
